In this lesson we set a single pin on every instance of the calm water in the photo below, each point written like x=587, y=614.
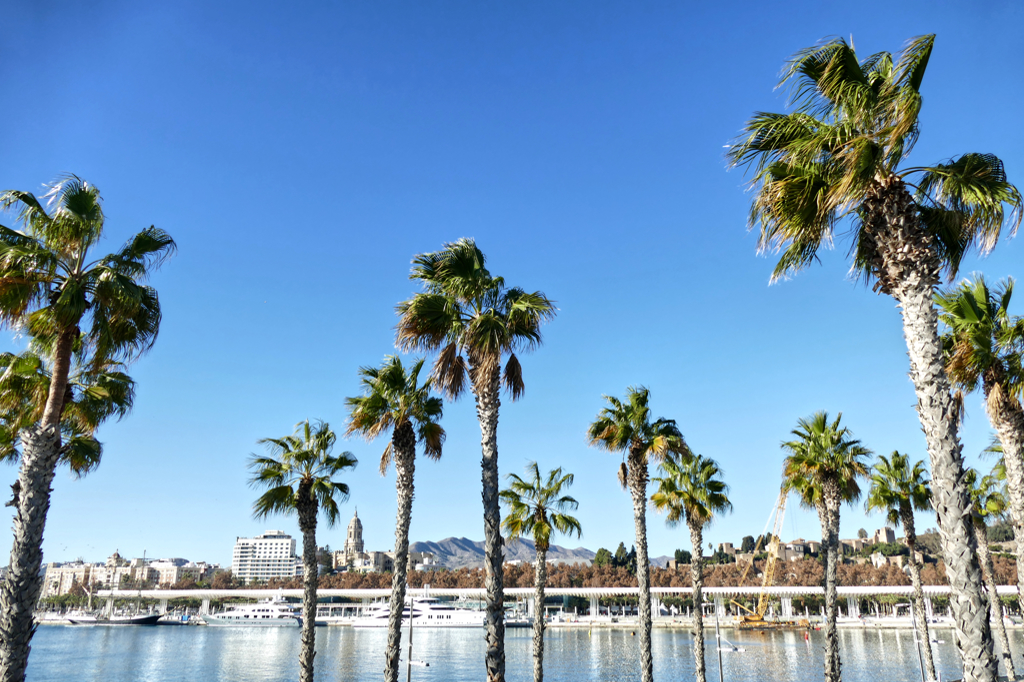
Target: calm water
x=203, y=654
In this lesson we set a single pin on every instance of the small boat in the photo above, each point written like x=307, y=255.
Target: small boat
x=266, y=613
x=116, y=619
x=517, y=620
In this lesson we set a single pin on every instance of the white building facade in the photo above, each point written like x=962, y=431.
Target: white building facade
x=266, y=556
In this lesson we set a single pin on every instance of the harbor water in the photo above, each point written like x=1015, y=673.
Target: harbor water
x=345, y=654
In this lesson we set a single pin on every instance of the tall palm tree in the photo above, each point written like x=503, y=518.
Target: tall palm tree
x=692, y=491
x=625, y=426
x=94, y=395
x=538, y=508
x=989, y=500
x=299, y=476
x=393, y=399
x=983, y=346
x=823, y=467
x=475, y=321
x=897, y=489
x=838, y=155
x=72, y=304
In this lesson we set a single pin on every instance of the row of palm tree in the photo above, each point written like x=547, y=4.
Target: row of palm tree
x=475, y=324
x=838, y=157
x=838, y=153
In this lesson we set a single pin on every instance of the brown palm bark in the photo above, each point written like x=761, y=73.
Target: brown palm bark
x=403, y=442
x=306, y=507
x=697, y=576
x=22, y=585
x=1007, y=419
x=486, y=388
x=907, y=519
x=538, y=614
x=637, y=479
x=904, y=259
x=995, y=607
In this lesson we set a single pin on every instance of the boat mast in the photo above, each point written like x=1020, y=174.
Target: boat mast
x=139, y=581
x=408, y=671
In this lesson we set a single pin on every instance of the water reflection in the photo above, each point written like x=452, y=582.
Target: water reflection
x=163, y=654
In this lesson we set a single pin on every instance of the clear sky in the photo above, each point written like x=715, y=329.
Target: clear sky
x=302, y=154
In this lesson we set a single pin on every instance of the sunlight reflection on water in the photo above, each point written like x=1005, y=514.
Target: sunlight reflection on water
x=166, y=653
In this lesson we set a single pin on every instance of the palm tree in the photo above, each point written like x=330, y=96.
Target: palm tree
x=474, y=321
x=72, y=305
x=299, y=476
x=823, y=467
x=983, y=348
x=837, y=155
x=691, y=490
x=990, y=502
x=897, y=489
x=538, y=508
x=394, y=399
x=626, y=427
x=94, y=395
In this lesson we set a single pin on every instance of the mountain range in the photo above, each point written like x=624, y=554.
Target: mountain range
x=455, y=553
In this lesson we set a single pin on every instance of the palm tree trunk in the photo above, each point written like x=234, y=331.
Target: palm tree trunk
x=828, y=515
x=486, y=389
x=638, y=487
x=23, y=584
x=907, y=519
x=995, y=607
x=1008, y=421
x=404, y=444
x=907, y=266
x=307, y=509
x=540, y=581
x=697, y=576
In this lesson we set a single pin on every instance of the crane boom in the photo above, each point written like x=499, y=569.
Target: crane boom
x=773, y=556
x=768, y=577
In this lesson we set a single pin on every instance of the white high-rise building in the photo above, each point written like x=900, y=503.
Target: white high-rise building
x=271, y=555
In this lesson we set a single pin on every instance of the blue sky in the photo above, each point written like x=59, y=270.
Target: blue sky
x=301, y=157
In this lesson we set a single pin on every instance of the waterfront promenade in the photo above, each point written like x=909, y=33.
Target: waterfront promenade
x=849, y=596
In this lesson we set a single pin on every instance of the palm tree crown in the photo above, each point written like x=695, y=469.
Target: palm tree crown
x=691, y=491
x=854, y=121
x=982, y=342
x=824, y=458
x=393, y=397
x=466, y=310
x=987, y=495
x=297, y=464
x=49, y=283
x=626, y=427
x=537, y=507
x=94, y=395
x=898, y=486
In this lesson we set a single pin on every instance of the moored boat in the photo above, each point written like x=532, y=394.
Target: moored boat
x=266, y=613
x=427, y=612
x=117, y=619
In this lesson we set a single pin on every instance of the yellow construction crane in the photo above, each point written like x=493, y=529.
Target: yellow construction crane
x=778, y=514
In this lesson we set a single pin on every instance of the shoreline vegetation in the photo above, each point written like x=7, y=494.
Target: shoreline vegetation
x=804, y=573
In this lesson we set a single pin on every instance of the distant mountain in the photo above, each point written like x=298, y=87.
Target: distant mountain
x=465, y=553
x=660, y=561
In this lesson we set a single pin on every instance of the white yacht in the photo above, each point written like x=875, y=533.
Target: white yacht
x=266, y=613
x=427, y=612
